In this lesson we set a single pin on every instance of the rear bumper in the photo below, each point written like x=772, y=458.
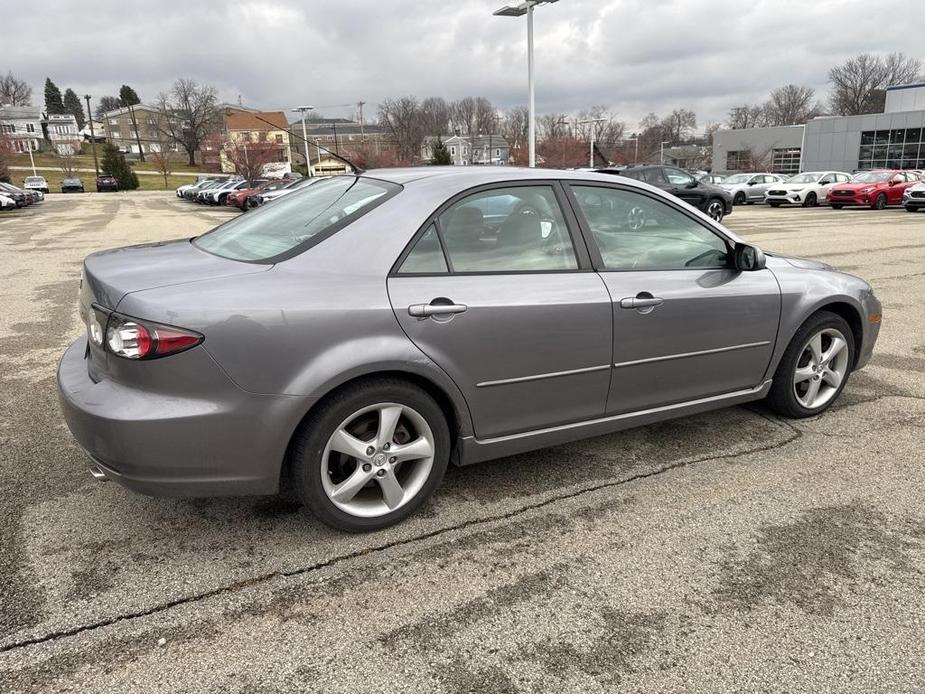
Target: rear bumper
x=216, y=441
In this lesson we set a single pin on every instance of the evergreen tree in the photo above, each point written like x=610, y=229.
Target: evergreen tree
x=72, y=105
x=128, y=96
x=441, y=155
x=105, y=105
x=53, y=102
x=115, y=165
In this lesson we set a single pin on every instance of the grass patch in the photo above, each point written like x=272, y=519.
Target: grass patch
x=85, y=161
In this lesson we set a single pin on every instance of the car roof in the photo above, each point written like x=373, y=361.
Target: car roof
x=468, y=176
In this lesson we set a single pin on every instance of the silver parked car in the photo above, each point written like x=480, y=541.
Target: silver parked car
x=354, y=337
x=749, y=187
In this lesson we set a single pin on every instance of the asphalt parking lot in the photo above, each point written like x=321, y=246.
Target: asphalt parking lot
x=731, y=551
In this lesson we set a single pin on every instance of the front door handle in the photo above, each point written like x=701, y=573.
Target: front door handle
x=643, y=302
x=435, y=309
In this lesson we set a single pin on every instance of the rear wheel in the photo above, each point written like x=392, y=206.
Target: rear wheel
x=715, y=209
x=879, y=202
x=371, y=456
x=810, y=200
x=837, y=207
x=815, y=368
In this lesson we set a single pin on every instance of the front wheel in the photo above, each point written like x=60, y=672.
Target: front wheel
x=774, y=204
x=810, y=200
x=716, y=210
x=879, y=202
x=739, y=199
x=371, y=456
x=815, y=368
x=912, y=209
x=837, y=207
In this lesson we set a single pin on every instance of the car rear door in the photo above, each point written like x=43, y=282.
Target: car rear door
x=684, y=186
x=686, y=325
x=509, y=307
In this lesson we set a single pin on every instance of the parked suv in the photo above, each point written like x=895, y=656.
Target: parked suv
x=875, y=189
x=706, y=197
x=36, y=183
x=106, y=182
x=750, y=187
x=72, y=184
x=806, y=189
x=914, y=197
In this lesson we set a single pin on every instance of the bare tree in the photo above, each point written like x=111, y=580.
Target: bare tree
x=486, y=118
x=552, y=126
x=249, y=158
x=513, y=127
x=14, y=91
x=463, y=115
x=402, y=118
x=747, y=116
x=435, y=112
x=67, y=162
x=679, y=124
x=188, y=114
x=791, y=105
x=162, y=156
x=859, y=84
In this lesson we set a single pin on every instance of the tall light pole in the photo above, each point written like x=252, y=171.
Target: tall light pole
x=661, y=151
x=96, y=164
x=526, y=8
x=592, y=121
x=308, y=162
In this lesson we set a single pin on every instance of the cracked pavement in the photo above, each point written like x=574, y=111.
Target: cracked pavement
x=730, y=551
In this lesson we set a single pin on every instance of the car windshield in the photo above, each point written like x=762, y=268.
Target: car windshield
x=294, y=223
x=806, y=178
x=738, y=178
x=871, y=177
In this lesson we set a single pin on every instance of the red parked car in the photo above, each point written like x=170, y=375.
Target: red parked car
x=238, y=198
x=874, y=189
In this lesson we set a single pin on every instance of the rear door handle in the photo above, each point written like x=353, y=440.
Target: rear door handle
x=427, y=310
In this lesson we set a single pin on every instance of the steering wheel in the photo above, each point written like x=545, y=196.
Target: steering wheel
x=636, y=218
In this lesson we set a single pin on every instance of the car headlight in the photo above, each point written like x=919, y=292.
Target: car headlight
x=865, y=190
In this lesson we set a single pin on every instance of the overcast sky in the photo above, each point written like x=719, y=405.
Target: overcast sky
x=634, y=56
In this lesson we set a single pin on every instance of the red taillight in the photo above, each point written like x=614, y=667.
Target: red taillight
x=132, y=338
x=170, y=340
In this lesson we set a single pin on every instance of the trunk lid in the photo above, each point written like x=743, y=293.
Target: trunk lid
x=110, y=275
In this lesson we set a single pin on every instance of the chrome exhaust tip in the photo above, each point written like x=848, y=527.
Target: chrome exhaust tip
x=97, y=473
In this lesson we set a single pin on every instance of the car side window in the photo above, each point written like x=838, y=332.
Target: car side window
x=516, y=229
x=653, y=176
x=426, y=256
x=637, y=232
x=676, y=177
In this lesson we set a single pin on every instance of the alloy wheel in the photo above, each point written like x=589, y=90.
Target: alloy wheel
x=716, y=210
x=821, y=368
x=377, y=460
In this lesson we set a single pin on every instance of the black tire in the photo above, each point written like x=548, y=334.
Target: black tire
x=837, y=207
x=774, y=204
x=222, y=199
x=310, y=441
x=715, y=209
x=811, y=200
x=739, y=198
x=912, y=209
x=782, y=398
x=879, y=202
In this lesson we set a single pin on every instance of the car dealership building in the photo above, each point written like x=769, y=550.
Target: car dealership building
x=894, y=139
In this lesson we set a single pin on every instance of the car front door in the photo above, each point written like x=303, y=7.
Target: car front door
x=686, y=324
x=685, y=187
x=496, y=291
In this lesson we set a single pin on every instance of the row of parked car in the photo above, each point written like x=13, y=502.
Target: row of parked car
x=235, y=191
x=716, y=195
x=12, y=197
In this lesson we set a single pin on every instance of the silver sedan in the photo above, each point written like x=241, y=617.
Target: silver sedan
x=354, y=338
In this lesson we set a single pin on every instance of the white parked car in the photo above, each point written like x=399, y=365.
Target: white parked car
x=749, y=187
x=807, y=189
x=7, y=203
x=36, y=183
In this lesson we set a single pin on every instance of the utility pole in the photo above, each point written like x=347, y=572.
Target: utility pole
x=308, y=161
x=360, y=105
x=131, y=112
x=661, y=151
x=96, y=163
x=562, y=121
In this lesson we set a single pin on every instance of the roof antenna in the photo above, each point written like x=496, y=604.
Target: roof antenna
x=356, y=169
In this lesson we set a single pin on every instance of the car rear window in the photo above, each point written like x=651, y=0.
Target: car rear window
x=291, y=224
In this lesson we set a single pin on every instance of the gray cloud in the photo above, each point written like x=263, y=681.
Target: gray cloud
x=634, y=56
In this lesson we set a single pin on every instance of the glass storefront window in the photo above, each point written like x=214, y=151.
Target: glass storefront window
x=892, y=149
x=786, y=161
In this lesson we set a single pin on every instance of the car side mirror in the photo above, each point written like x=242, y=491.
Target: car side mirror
x=894, y=181
x=692, y=184
x=825, y=182
x=747, y=258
